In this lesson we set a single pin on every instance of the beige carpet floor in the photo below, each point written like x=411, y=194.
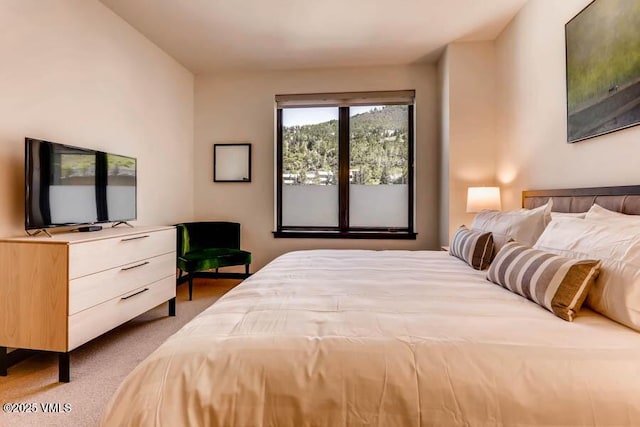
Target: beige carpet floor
x=98, y=367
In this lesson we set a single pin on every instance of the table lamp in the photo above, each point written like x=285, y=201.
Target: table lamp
x=480, y=198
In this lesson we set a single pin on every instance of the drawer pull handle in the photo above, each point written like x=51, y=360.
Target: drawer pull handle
x=128, y=239
x=133, y=295
x=134, y=266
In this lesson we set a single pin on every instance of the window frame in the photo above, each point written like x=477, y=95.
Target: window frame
x=343, y=230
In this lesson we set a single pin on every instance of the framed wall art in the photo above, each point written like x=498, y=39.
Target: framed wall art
x=603, y=68
x=232, y=162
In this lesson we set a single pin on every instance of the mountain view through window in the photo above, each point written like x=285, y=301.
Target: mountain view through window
x=378, y=145
x=345, y=165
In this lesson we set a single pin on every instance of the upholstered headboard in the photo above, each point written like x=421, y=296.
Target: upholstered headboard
x=625, y=199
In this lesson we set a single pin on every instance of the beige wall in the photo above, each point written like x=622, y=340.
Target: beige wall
x=73, y=72
x=444, y=98
x=533, y=152
x=239, y=107
x=468, y=128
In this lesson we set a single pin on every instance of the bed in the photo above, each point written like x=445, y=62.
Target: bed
x=386, y=338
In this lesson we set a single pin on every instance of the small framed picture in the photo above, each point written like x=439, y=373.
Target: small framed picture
x=232, y=162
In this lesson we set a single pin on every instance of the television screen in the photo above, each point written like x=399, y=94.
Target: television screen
x=121, y=188
x=68, y=185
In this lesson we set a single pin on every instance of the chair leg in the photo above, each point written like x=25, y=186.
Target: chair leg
x=246, y=269
x=190, y=286
x=178, y=278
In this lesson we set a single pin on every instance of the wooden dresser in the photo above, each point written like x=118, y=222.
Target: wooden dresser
x=57, y=293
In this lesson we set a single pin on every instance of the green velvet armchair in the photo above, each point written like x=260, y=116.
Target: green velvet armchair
x=209, y=245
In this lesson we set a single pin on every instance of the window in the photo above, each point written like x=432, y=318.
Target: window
x=345, y=165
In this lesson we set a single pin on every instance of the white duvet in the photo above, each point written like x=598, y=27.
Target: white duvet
x=388, y=338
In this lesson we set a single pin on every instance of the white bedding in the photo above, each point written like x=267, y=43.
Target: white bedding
x=388, y=338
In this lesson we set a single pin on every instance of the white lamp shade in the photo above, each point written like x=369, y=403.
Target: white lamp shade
x=480, y=198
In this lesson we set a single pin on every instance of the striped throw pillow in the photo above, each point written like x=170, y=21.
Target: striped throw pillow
x=557, y=283
x=473, y=247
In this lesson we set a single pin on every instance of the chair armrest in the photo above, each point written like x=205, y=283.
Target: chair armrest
x=182, y=243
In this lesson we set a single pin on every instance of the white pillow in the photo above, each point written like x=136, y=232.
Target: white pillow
x=523, y=225
x=598, y=213
x=616, y=292
x=558, y=215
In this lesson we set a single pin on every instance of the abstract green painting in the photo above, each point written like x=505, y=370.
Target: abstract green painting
x=603, y=68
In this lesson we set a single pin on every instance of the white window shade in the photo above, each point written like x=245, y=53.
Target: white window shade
x=367, y=210
x=346, y=99
x=310, y=205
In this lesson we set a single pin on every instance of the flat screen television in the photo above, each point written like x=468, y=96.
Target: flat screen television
x=66, y=186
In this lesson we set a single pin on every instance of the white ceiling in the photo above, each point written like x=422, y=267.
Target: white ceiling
x=211, y=35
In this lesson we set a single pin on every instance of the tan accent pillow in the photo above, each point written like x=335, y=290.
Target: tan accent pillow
x=523, y=225
x=473, y=247
x=557, y=283
x=616, y=293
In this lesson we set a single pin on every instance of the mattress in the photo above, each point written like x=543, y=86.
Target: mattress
x=383, y=338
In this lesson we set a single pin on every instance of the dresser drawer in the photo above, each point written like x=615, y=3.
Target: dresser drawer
x=95, y=321
x=87, y=291
x=99, y=255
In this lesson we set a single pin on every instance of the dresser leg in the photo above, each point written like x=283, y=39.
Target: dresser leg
x=64, y=369
x=172, y=307
x=4, y=361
